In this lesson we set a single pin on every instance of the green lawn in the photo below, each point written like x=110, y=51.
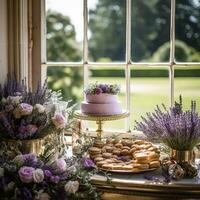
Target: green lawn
x=146, y=93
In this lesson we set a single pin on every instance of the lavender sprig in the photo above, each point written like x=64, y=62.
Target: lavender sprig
x=177, y=128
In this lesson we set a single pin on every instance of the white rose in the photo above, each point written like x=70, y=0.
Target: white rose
x=38, y=176
x=72, y=169
x=72, y=187
x=18, y=160
x=10, y=186
x=1, y=172
x=44, y=196
x=40, y=108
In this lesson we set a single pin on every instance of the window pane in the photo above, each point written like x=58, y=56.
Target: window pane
x=150, y=30
x=187, y=84
x=67, y=79
x=149, y=87
x=107, y=30
x=188, y=30
x=64, y=23
x=110, y=76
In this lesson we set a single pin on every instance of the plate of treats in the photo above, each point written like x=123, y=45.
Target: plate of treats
x=125, y=156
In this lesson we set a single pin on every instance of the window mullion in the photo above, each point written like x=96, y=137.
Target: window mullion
x=172, y=51
x=85, y=41
x=128, y=61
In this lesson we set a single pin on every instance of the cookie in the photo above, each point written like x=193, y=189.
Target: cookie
x=126, y=147
x=107, y=166
x=117, y=167
x=143, y=166
x=106, y=155
x=127, y=167
x=98, y=143
x=139, y=142
x=108, y=149
x=97, y=159
x=119, y=145
x=154, y=164
x=94, y=150
x=100, y=163
x=125, y=152
x=116, y=152
x=142, y=158
x=153, y=156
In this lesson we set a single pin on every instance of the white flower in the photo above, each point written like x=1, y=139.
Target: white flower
x=1, y=172
x=10, y=186
x=41, y=195
x=44, y=196
x=38, y=176
x=40, y=108
x=72, y=169
x=72, y=186
x=14, y=99
x=18, y=160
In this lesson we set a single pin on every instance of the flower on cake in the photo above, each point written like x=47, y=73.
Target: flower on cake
x=99, y=88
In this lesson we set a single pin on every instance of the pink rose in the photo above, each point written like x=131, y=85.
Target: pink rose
x=25, y=109
x=59, y=121
x=59, y=165
x=31, y=128
x=26, y=174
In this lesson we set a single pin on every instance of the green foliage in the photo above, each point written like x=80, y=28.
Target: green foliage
x=150, y=28
x=183, y=53
x=62, y=46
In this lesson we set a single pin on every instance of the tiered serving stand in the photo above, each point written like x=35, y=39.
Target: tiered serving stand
x=100, y=119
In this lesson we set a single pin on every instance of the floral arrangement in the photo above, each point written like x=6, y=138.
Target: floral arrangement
x=176, y=128
x=28, y=115
x=97, y=88
x=28, y=177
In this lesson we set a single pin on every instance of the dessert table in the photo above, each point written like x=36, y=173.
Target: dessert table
x=136, y=186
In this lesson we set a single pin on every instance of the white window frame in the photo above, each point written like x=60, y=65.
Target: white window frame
x=128, y=64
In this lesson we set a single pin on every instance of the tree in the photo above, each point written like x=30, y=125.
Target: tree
x=62, y=46
x=150, y=27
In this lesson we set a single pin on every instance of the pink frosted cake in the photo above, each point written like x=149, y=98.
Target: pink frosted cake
x=101, y=99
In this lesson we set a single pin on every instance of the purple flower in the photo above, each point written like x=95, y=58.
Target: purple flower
x=26, y=174
x=88, y=163
x=55, y=179
x=9, y=108
x=31, y=128
x=103, y=87
x=31, y=158
x=59, y=166
x=47, y=173
x=59, y=121
x=26, y=194
x=98, y=91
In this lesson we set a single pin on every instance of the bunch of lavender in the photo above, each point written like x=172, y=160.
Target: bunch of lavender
x=96, y=88
x=28, y=114
x=176, y=128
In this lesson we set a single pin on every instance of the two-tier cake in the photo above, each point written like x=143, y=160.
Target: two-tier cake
x=101, y=99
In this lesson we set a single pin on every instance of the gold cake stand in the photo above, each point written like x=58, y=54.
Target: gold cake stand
x=100, y=119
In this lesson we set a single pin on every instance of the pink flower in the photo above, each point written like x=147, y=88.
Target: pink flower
x=59, y=165
x=26, y=174
x=25, y=109
x=59, y=121
x=31, y=128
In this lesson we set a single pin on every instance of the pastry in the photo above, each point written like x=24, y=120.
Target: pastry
x=97, y=159
x=154, y=164
x=107, y=155
x=94, y=150
x=142, y=158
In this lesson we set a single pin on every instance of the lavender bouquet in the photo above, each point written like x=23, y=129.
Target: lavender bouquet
x=27, y=115
x=97, y=88
x=176, y=128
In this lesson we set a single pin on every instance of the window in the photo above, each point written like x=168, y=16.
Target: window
x=151, y=45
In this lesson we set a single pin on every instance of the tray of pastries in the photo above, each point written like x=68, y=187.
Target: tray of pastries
x=125, y=156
